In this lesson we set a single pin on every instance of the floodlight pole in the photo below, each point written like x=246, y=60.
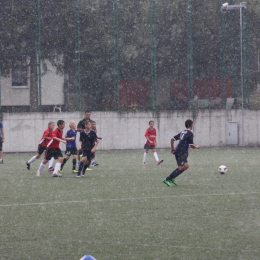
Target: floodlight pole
x=225, y=7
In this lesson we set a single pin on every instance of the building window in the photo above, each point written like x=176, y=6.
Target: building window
x=19, y=76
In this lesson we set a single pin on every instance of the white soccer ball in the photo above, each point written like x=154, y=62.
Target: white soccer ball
x=222, y=169
x=87, y=257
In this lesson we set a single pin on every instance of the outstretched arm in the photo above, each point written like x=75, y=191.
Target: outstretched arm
x=195, y=146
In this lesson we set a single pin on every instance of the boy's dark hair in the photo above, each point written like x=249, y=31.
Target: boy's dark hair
x=150, y=121
x=188, y=123
x=87, y=121
x=87, y=111
x=60, y=122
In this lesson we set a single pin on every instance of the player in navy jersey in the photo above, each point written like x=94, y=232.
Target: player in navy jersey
x=89, y=141
x=181, y=152
x=80, y=128
x=71, y=148
x=94, y=128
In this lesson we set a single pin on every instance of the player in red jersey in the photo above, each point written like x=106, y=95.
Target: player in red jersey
x=150, y=135
x=53, y=149
x=46, y=137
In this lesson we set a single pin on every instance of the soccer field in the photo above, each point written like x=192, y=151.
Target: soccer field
x=122, y=210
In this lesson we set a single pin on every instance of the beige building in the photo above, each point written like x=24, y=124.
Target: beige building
x=15, y=89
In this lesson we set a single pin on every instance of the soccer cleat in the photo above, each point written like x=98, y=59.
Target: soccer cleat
x=51, y=169
x=56, y=175
x=83, y=175
x=173, y=181
x=167, y=182
x=78, y=176
x=74, y=171
x=159, y=162
x=1, y=161
x=28, y=165
x=144, y=163
x=94, y=163
x=88, y=169
x=60, y=170
x=38, y=174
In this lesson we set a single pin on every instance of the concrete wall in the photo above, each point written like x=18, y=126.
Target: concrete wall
x=126, y=130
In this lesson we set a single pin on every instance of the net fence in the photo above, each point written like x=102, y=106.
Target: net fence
x=129, y=55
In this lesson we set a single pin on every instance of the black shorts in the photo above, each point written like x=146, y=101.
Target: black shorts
x=53, y=152
x=181, y=159
x=1, y=144
x=147, y=147
x=41, y=149
x=71, y=151
x=87, y=153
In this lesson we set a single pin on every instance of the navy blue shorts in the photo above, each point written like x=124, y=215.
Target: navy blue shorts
x=71, y=151
x=181, y=159
x=87, y=153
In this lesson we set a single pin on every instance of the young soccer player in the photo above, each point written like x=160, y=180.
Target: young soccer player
x=89, y=141
x=94, y=128
x=53, y=149
x=181, y=152
x=71, y=148
x=46, y=137
x=150, y=144
x=80, y=128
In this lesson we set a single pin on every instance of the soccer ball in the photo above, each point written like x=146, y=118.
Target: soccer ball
x=87, y=257
x=222, y=169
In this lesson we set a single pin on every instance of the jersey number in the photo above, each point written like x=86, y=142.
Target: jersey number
x=182, y=136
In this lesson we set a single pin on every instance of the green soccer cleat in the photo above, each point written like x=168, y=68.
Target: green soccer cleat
x=173, y=181
x=74, y=171
x=167, y=182
x=60, y=170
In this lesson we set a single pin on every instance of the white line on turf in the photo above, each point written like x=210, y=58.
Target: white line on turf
x=125, y=199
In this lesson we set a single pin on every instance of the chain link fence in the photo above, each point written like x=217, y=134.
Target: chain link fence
x=132, y=55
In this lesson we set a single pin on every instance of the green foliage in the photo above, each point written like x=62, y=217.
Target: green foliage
x=96, y=39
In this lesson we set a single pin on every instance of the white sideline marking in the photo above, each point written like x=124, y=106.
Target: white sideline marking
x=126, y=199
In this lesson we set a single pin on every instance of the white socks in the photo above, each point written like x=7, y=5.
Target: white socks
x=57, y=167
x=41, y=167
x=51, y=162
x=144, y=158
x=32, y=159
x=156, y=156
